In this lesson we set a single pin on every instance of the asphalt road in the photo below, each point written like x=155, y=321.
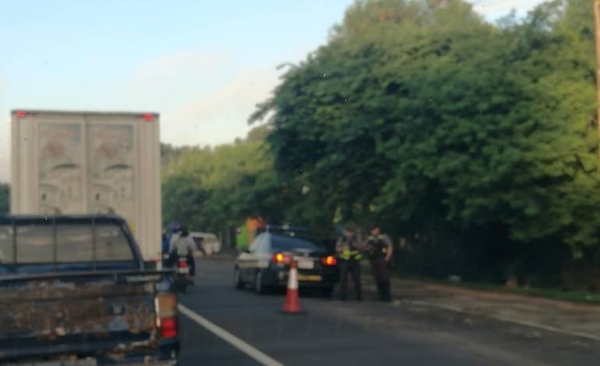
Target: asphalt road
x=356, y=333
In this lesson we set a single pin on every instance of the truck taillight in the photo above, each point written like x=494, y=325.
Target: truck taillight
x=20, y=114
x=168, y=327
x=148, y=117
x=166, y=309
x=166, y=305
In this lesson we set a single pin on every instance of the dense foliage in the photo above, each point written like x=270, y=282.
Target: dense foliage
x=217, y=188
x=476, y=141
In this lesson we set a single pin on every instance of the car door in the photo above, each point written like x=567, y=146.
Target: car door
x=249, y=260
x=263, y=252
x=244, y=260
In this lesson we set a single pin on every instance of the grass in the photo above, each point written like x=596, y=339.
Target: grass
x=583, y=297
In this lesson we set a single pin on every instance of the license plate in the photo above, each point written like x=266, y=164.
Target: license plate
x=306, y=264
x=311, y=278
x=183, y=270
x=89, y=362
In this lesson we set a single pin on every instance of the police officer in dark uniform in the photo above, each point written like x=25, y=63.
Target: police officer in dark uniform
x=380, y=250
x=349, y=251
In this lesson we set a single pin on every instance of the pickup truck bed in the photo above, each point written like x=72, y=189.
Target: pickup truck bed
x=95, y=316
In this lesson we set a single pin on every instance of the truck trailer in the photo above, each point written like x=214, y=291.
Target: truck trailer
x=70, y=163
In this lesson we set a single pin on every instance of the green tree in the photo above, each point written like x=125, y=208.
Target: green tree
x=217, y=188
x=424, y=116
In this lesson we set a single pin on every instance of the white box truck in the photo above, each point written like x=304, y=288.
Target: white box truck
x=89, y=162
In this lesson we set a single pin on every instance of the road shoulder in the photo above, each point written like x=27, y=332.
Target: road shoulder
x=573, y=319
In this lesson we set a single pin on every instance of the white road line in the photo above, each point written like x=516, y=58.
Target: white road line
x=229, y=338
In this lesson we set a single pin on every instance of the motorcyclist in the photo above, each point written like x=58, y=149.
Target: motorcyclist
x=181, y=245
x=175, y=229
x=167, y=239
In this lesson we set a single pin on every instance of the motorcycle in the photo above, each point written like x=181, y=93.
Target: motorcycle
x=181, y=278
x=166, y=261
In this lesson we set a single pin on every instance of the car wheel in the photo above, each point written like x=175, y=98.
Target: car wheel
x=259, y=286
x=237, y=279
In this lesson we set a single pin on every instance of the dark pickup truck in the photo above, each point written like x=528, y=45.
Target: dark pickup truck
x=74, y=291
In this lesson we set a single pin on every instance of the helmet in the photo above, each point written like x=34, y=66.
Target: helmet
x=175, y=228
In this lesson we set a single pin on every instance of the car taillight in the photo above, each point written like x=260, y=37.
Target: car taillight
x=329, y=260
x=281, y=258
x=166, y=309
x=168, y=327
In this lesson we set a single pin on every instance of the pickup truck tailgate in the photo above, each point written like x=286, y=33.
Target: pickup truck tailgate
x=96, y=314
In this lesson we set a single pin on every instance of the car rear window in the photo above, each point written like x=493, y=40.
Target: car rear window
x=6, y=244
x=112, y=244
x=74, y=243
x=284, y=243
x=34, y=244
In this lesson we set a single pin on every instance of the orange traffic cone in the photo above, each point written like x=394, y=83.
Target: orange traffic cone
x=292, y=302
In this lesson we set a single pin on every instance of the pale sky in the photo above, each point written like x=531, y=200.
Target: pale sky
x=203, y=65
